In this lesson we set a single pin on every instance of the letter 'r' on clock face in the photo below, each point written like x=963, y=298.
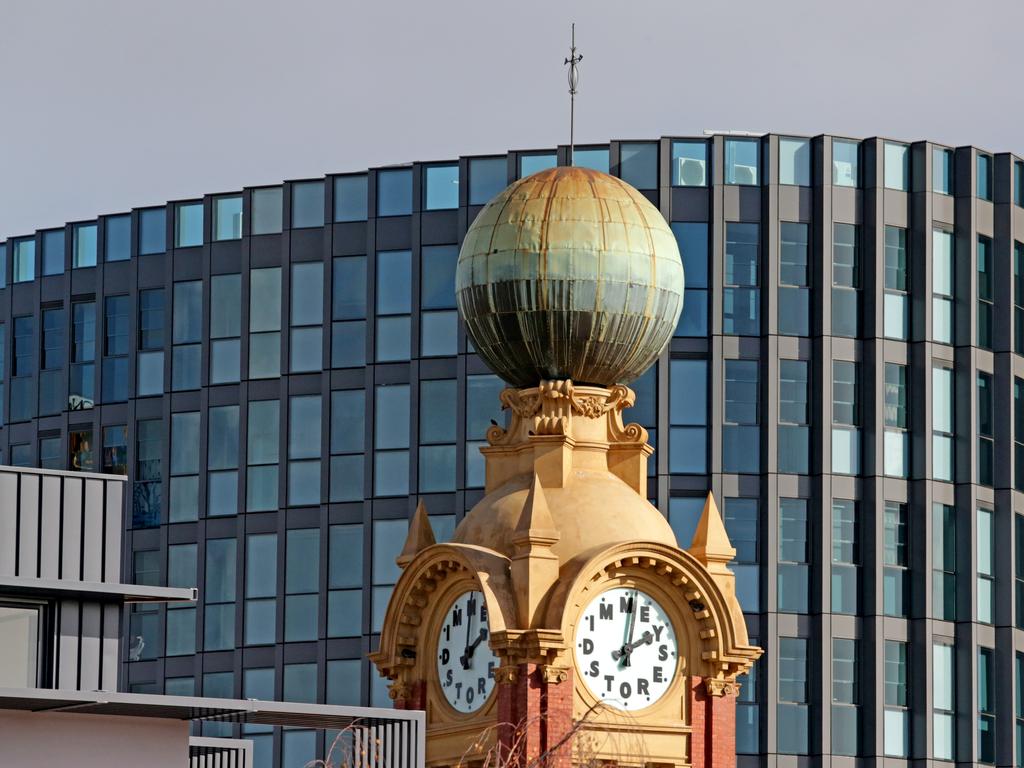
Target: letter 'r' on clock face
x=465, y=662
x=626, y=648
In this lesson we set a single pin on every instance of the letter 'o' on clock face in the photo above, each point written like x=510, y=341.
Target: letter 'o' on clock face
x=626, y=648
x=465, y=663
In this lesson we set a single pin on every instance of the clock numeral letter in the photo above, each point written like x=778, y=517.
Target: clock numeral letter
x=625, y=690
x=481, y=686
x=608, y=680
x=490, y=669
x=470, y=693
x=588, y=646
x=458, y=690
x=626, y=604
x=590, y=618
x=662, y=653
x=445, y=656
x=483, y=613
x=645, y=614
x=447, y=633
x=456, y=617
x=641, y=687
x=447, y=678
x=657, y=632
x=471, y=607
x=595, y=668
x=606, y=611
x=657, y=675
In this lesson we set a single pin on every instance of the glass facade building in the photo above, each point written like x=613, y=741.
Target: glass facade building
x=281, y=373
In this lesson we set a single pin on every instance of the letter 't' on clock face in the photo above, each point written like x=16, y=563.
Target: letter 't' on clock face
x=465, y=663
x=626, y=648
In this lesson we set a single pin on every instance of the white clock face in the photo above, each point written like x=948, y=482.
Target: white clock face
x=465, y=663
x=626, y=649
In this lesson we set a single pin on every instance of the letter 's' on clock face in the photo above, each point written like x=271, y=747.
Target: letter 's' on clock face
x=465, y=662
x=626, y=648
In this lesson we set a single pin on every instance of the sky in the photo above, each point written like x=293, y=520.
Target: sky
x=114, y=104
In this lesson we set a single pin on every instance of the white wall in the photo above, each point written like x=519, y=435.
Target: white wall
x=28, y=740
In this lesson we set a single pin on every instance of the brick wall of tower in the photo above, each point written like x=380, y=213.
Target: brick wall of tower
x=713, y=723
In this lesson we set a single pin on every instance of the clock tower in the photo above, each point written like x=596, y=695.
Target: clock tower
x=564, y=624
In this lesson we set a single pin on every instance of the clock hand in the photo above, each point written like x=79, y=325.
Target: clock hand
x=630, y=626
x=468, y=655
x=469, y=623
x=646, y=639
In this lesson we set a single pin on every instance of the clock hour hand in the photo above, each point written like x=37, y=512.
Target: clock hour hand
x=646, y=639
x=468, y=655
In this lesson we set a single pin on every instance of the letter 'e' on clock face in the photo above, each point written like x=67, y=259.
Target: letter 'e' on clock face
x=626, y=648
x=465, y=662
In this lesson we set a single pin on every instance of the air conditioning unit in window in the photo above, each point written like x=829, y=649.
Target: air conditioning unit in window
x=744, y=174
x=843, y=172
x=691, y=172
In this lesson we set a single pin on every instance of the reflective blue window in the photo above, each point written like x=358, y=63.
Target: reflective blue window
x=741, y=297
x=595, y=158
x=267, y=216
x=350, y=198
x=795, y=161
x=531, y=164
x=227, y=218
x=152, y=231
x=188, y=225
x=307, y=204
x=942, y=171
x=394, y=192
x=683, y=515
x=742, y=161
x=437, y=276
x=117, y=238
x=692, y=238
x=53, y=252
x=845, y=163
x=690, y=163
x=638, y=164
x=3, y=268
x=984, y=176
x=24, y=257
x=440, y=187
x=741, y=433
x=794, y=279
x=487, y=177
x=83, y=252
x=688, y=416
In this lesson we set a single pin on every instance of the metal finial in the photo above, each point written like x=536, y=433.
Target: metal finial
x=574, y=81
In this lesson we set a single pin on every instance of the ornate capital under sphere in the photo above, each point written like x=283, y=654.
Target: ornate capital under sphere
x=569, y=274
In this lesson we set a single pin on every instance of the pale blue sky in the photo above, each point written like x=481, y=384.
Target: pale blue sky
x=111, y=104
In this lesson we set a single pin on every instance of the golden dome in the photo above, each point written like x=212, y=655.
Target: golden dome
x=569, y=274
x=593, y=510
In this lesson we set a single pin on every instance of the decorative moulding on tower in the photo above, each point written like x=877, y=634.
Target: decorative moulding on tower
x=420, y=536
x=534, y=565
x=711, y=543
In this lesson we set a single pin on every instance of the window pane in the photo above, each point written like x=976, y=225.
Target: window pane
x=394, y=192
x=307, y=204
x=350, y=198
x=188, y=228
x=227, y=218
x=440, y=187
x=795, y=161
x=897, y=165
x=307, y=305
x=487, y=177
x=118, y=238
x=267, y=213
x=845, y=167
x=84, y=248
x=689, y=163
x=942, y=171
x=638, y=165
x=394, y=282
x=596, y=159
x=531, y=164
x=152, y=231
x=741, y=161
x=53, y=252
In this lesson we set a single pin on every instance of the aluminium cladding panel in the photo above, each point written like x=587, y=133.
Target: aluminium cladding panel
x=62, y=525
x=88, y=640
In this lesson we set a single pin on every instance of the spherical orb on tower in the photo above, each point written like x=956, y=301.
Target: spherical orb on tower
x=569, y=274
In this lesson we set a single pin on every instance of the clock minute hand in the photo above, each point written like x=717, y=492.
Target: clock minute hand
x=646, y=639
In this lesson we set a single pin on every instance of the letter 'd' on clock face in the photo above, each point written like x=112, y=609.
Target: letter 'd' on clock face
x=626, y=648
x=465, y=663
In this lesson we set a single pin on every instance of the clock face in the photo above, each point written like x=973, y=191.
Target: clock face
x=465, y=663
x=626, y=649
